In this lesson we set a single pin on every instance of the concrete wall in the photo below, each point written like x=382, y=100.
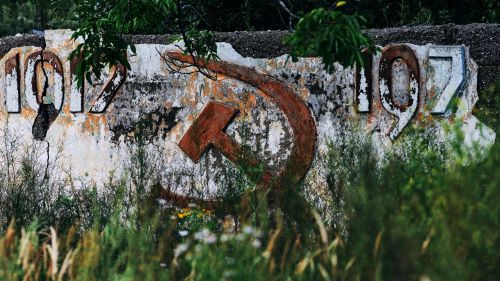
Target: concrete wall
x=259, y=110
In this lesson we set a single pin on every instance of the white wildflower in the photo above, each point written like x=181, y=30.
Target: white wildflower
x=240, y=237
x=210, y=239
x=206, y=236
x=256, y=243
x=180, y=249
x=200, y=235
x=248, y=230
x=224, y=238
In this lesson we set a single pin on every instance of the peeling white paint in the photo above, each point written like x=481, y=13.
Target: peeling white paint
x=457, y=74
x=28, y=91
x=477, y=134
x=404, y=117
x=75, y=99
x=276, y=133
x=58, y=92
x=364, y=103
x=12, y=97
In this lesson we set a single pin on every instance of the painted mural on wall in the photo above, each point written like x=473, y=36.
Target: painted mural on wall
x=273, y=116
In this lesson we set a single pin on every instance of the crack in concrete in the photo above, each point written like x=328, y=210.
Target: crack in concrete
x=47, y=112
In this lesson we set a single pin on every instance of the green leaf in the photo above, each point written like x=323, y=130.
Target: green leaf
x=331, y=35
x=340, y=4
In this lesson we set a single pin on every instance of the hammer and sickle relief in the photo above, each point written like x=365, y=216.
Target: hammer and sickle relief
x=208, y=130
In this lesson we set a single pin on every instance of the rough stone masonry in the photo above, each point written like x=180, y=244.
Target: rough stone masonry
x=263, y=112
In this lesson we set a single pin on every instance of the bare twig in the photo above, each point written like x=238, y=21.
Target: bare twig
x=291, y=15
x=181, y=28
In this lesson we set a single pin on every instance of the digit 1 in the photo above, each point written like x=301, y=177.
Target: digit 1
x=12, y=85
x=363, y=84
x=76, y=94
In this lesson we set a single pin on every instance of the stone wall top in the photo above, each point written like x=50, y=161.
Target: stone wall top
x=482, y=39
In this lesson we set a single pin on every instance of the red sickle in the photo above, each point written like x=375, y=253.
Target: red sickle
x=294, y=109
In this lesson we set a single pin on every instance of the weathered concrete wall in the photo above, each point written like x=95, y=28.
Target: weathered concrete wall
x=259, y=110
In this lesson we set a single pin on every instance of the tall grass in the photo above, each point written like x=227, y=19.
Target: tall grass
x=410, y=216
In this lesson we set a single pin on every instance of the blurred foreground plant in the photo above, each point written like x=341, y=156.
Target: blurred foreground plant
x=408, y=216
